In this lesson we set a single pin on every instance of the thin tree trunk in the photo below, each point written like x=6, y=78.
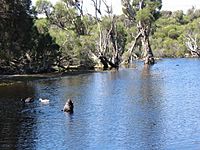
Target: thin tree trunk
x=130, y=51
x=148, y=54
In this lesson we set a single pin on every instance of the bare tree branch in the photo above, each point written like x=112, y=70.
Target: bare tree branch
x=192, y=45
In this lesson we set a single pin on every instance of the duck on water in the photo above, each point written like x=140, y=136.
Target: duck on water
x=27, y=100
x=68, y=107
x=45, y=101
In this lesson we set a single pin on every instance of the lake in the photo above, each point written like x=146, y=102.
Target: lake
x=136, y=108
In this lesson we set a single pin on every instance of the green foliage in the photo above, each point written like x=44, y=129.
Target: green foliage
x=42, y=25
x=43, y=7
x=148, y=11
x=121, y=36
x=178, y=16
x=172, y=29
x=23, y=47
x=64, y=37
x=144, y=15
x=193, y=14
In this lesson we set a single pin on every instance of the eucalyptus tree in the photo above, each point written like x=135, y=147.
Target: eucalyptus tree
x=74, y=30
x=112, y=35
x=65, y=14
x=144, y=13
x=88, y=37
x=192, y=37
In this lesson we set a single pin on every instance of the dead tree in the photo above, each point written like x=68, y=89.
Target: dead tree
x=192, y=45
x=108, y=51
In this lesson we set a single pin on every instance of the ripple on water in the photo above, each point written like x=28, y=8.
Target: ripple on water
x=133, y=108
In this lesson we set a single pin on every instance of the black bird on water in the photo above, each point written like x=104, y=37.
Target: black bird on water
x=27, y=100
x=69, y=106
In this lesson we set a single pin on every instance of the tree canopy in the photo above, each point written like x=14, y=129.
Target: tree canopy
x=65, y=37
x=22, y=48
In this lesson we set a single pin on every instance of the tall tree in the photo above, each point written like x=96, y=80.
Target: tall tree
x=68, y=16
x=144, y=13
x=15, y=37
x=16, y=24
x=22, y=48
x=112, y=36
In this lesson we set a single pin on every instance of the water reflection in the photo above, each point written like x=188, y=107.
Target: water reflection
x=14, y=130
x=132, y=108
x=151, y=93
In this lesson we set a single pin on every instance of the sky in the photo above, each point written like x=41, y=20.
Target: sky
x=167, y=5
x=180, y=4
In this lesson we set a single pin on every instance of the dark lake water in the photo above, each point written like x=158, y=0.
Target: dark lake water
x=138, y=108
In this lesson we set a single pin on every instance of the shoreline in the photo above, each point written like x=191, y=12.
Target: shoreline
x=61, y=74
x=45, y=75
